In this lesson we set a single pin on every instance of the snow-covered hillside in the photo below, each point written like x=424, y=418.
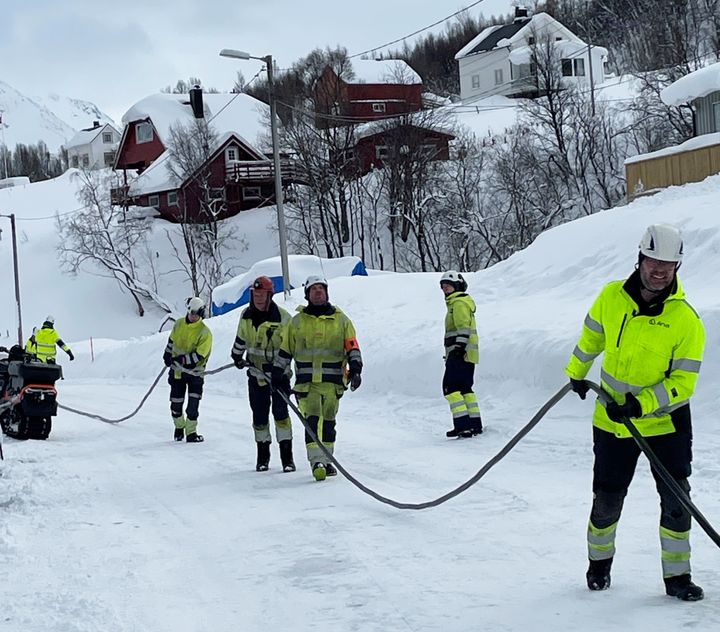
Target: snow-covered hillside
x=53, y=119
x=117, y=528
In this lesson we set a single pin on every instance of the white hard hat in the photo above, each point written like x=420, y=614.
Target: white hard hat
x=50, y=319
x=314, y=279
x=454, y=278
x=662, y=242
x=196, y=306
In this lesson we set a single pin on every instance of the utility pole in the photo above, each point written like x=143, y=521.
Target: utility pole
x=17, y=275
x=278, y=180
x=592, y=81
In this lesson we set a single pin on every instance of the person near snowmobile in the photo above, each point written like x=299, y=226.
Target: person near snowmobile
x=43, y=342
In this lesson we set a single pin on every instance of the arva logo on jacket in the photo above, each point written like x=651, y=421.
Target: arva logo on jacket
x=661, y=323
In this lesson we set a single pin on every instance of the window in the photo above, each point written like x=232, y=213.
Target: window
x=109, y=158
x=498, y=76
x=232, y=154
x=558, y=39
x=143, y=133
x=75, y=162
x=428, y=151
x=251, y=193
x=716, y=117
x=86, y=160
x=378, y=107
x=573, y=67
x=107, y=138
x=217, y=193
x=531, y=41
x=172, y=198
x=154, y=201
x=476, y=81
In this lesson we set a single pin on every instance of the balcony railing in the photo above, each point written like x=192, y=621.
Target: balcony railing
x=264, y=171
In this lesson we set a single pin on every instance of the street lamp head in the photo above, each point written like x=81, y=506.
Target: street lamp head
x=234, y=54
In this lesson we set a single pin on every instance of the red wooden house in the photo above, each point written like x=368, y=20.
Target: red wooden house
x=368, y=90
x=236, y=176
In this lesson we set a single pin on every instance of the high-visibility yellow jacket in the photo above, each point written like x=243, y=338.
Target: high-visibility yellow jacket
x=262, y=342
x=321, y=346
x=656, y=357
x=193, y=342
x=43, y=344
x=460, y=327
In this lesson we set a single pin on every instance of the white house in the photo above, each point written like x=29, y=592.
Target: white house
x=94, y=147
x=499, y=59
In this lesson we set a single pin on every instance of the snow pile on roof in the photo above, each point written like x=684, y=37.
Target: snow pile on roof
x=85, y=136
x=693, y=86
x=384, y=71
x=236, y=292
x=238, y=113
x=706, y=140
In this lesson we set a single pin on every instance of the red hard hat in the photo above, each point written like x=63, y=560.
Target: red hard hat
x=263, y=283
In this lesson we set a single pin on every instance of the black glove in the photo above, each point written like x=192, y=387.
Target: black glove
x=178, y=360
x=71, y=356
x=240, y=362
x=278, y=380
x=630, y=409
x=580, y=387
x=457, y=352
x=355, y=369
x=167, y=358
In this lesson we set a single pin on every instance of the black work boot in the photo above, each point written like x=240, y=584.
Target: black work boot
x=194, y=437
x=330, y=469
x=682, y=587
x=598, y=574
x=451, y=434
x=179, y=434
x=263, y=456
x=286, y=455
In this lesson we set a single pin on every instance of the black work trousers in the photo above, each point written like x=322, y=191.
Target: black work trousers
x=615, y=463
x=193, y=385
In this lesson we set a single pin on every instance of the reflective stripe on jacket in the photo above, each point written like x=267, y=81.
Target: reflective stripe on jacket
x=321, y=346
x=192, y=340
x=261, y=343
x=460, y=327
x=656, y=358
x=43, y=344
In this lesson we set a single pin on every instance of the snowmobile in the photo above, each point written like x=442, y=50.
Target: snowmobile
x=30, y=385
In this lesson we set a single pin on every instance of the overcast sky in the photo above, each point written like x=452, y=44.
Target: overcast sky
x=116, y=56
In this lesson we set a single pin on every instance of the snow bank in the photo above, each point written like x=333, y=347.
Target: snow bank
x=706, y=140
x=236, y=293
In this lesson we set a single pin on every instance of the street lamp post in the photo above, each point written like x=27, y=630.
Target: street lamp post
x=17, y=275
x=238, y=54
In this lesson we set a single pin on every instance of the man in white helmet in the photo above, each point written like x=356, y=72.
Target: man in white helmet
x=44, y=342
x=321, y=340
x=653, y=343
x=461, y=356
x=186, y=354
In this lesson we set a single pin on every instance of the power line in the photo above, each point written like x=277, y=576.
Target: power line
x=400, y=39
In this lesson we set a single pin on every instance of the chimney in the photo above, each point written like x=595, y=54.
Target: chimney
x=521, y=14
x=96, y=124
x=196, y=102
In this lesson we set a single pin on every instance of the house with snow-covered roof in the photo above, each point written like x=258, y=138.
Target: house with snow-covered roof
x=696, y=158
x=499, y=60
x=93, y=147
x=241, y=172
x=366, y=90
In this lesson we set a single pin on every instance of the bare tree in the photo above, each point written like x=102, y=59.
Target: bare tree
x=205, y=237
x=100, y=234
